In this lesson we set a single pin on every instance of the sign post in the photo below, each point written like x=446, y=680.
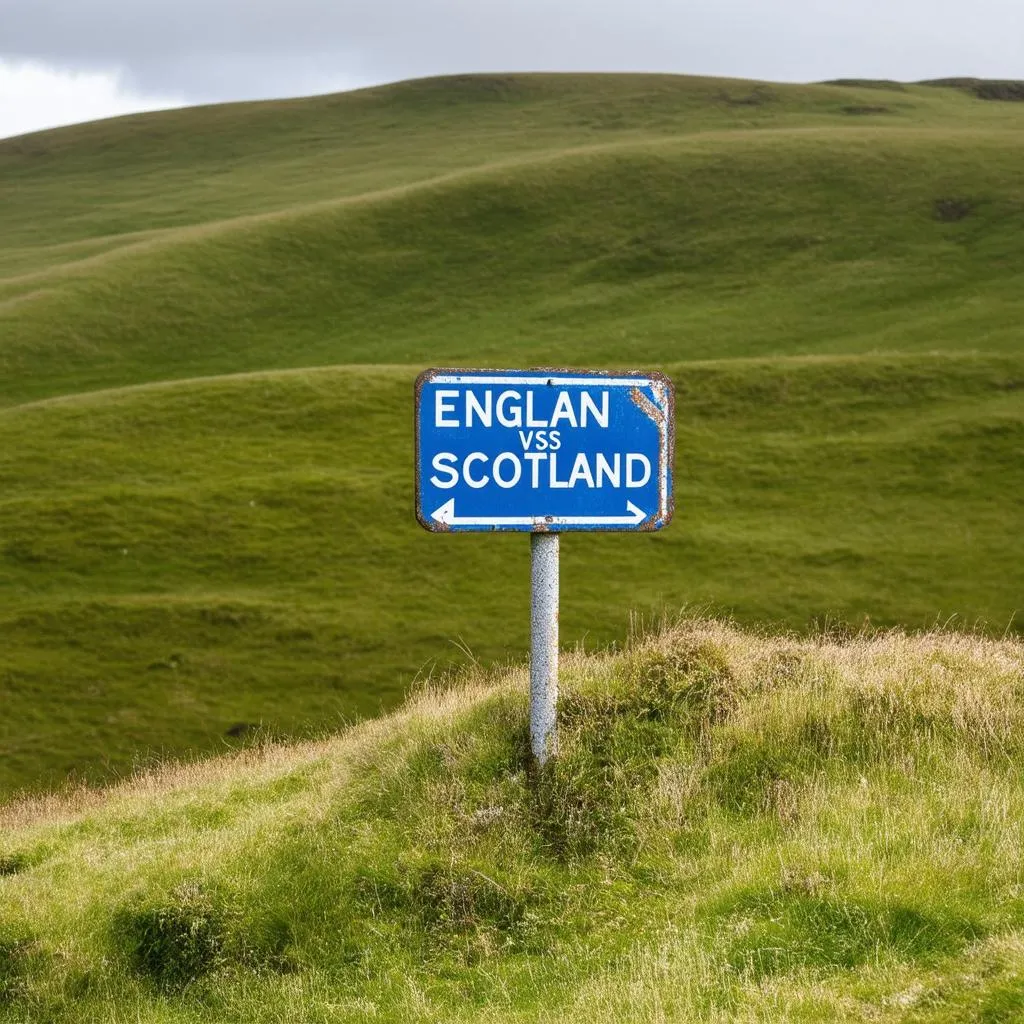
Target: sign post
x=543, y=645
x=543, y=452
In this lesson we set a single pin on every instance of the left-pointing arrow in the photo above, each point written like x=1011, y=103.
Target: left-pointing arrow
x=446, y=513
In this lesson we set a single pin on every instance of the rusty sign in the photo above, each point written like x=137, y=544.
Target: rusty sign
x=543, y=450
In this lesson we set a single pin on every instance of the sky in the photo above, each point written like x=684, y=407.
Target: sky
x=63, y=61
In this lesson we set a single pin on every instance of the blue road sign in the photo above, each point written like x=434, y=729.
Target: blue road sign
x=543, y=450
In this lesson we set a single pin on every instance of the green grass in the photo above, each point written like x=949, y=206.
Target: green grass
x=737, y=828
x=210, y=321
x=243, y=550
x=745, y=244
x=83, y=184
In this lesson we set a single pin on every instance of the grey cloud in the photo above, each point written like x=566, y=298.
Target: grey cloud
x=212, y=49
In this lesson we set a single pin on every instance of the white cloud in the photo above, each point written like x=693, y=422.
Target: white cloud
x=34, y=96
x=212, y=50
x=203, y=51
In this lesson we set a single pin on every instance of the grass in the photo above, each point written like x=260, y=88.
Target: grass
x=82, y=187
x=210, y=321
x=739, y=827
x=243, y=551
x=690, y=248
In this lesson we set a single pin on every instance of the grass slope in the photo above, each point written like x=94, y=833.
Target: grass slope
x=81, y=188
x=738, y=828
x=242, y=550
x=740, y=244
x=210, y=321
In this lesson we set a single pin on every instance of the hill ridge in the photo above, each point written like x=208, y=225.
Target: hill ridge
x=412, y=369
x=406, y=86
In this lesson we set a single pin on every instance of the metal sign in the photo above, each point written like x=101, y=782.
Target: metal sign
x=543, y=451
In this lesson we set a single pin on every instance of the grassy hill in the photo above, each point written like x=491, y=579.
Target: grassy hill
x=738, y=828
x=210, y=321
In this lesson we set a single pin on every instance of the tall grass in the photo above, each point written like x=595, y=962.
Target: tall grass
x=740, y=827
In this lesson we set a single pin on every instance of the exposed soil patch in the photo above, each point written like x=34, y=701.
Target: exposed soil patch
x=241, y=729
x=952, y=209
x=757, y=97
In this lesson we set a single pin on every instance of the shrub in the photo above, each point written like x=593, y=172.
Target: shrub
x=177, y=942
x=455, y=907
x=452, y=897
x=13, y=864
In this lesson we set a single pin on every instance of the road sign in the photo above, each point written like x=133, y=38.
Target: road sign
x=543, y=451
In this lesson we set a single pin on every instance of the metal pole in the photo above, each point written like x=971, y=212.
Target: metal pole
x=543, y=645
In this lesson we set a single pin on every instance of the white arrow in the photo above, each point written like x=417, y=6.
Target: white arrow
x=446, y=515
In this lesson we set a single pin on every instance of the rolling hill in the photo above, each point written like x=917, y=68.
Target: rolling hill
x=210, y=321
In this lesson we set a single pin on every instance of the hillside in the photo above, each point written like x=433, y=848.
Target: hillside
x=210, y=321
x=738, y=828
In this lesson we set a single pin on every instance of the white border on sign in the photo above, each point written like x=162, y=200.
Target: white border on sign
x=580, y=382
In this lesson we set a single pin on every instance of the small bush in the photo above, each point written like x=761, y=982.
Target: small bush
x=689, y=684
x=241, y=730
x=458, y=898
x=1012, y=92
x=194, y=933
x=757, y=97
x=984, y=89
x=864, y=109
x=13, y=864
x=580, y=803
x=177, y=942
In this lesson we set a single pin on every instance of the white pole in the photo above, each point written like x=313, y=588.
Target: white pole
x=543, y=645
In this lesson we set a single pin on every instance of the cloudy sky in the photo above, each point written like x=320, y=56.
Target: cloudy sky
x=71, y=60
